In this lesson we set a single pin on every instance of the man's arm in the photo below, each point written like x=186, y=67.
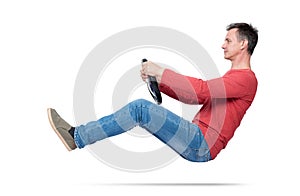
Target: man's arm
x=196, y=91
x=191, y=90
x=180, y=87
x=183, y=88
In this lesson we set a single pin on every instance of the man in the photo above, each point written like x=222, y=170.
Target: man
x=224, y=102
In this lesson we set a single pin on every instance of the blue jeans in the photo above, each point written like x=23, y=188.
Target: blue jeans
x=181, y=135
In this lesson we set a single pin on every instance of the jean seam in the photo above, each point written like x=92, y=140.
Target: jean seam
x=77, y=139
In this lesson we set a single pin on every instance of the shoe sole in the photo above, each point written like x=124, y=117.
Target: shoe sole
x=56, y=131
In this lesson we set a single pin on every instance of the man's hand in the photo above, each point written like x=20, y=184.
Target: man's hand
x=151, y=69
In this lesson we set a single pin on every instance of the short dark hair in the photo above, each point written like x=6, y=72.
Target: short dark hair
x=248, y=32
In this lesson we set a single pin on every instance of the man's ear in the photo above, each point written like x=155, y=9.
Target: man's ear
x=244, y=44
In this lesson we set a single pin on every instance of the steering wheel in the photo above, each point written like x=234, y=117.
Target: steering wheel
x=153, y=87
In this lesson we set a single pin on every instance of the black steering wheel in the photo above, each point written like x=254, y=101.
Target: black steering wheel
x=153, y=87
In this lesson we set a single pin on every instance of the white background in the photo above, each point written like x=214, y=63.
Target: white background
x=42, y=46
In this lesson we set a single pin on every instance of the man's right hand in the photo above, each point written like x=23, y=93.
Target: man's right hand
x=151, y=69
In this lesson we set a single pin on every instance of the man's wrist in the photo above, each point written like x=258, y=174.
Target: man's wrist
x=159, y=74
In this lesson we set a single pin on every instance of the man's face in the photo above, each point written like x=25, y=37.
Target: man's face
x=231, y=46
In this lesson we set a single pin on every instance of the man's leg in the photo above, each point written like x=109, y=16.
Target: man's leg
x=182, y=136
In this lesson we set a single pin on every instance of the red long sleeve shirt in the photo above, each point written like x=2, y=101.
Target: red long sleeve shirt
x=224, y=102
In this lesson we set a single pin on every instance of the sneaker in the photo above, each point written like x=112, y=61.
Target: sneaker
x=61, y=128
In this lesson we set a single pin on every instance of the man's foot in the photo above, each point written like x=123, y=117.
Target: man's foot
x=61, y=128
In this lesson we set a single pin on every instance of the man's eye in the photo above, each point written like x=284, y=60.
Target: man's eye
x=228, y=40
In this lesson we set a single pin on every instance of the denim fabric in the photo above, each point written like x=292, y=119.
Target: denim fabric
x=181, y=135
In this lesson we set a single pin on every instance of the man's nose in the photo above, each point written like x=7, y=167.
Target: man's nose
x=223, y=46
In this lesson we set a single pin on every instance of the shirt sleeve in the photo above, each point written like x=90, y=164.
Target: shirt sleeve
x=191, y=90
x=183, y=88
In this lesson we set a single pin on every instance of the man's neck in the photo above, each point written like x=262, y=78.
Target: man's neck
x=241, y=62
